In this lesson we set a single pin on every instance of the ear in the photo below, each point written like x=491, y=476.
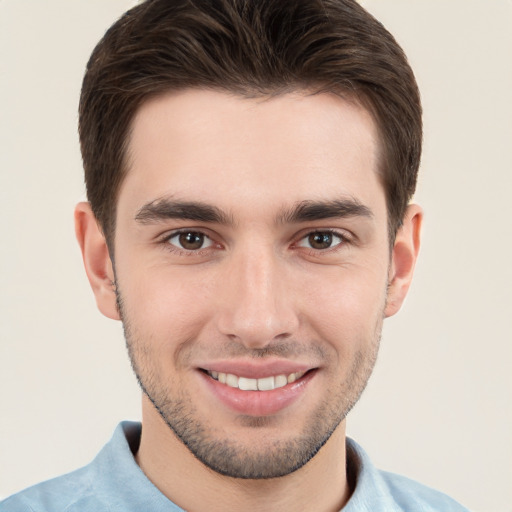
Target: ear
x=97, y=262
x=403, y=259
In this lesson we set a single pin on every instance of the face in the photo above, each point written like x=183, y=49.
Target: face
x=252, y=266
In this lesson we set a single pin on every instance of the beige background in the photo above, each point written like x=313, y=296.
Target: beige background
x=439, y=405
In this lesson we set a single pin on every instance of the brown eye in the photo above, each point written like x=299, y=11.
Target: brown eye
x=321, y=240
x=190, y=240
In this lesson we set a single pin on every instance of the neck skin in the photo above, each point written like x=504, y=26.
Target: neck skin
x=320, y=485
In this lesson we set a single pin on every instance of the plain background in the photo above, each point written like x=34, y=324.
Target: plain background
x=438, y=407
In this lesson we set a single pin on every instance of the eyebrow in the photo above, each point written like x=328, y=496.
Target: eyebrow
x=163, y=209
x=318, y=210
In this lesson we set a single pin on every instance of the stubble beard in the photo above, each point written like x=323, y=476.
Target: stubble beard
x=226, y=455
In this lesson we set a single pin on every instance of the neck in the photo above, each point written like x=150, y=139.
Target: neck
x=320, y=485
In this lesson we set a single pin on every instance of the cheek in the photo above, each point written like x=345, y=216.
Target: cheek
x=347, y=305
x=165, y=304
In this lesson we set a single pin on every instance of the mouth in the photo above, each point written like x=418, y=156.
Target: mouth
x=251, y=384
x=257, y=390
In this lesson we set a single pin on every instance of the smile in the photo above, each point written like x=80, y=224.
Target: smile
x=248, y=384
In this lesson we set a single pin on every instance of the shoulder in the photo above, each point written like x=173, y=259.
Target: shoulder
x=375, y=490
x=408, y=493
x=112, y=482
x=95, y=487
x=67, y=493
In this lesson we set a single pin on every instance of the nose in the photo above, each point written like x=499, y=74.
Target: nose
x=257, y=304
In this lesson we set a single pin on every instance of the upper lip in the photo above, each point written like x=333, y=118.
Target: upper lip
x=256, y=369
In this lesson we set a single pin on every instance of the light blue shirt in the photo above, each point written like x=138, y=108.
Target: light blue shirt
x=113, y=482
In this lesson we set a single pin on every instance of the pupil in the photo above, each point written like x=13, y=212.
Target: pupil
x=320, y=240
x=191, y=240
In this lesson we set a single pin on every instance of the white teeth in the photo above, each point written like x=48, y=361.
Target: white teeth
x=263, y=384
x=266, y=384
x=247, y=384
x=232, y=380
x=280, y=381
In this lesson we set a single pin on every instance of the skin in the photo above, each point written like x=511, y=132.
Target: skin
x=252, y=285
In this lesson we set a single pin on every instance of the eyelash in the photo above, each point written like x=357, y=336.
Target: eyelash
x=165, y=241
x=345, y=239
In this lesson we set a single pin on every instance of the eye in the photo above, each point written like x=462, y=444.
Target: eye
x=190, y=240
x=321, y=240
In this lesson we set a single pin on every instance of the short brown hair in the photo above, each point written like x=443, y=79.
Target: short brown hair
x=252, y=48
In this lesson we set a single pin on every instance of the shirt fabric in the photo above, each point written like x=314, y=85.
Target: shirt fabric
x=113, y=482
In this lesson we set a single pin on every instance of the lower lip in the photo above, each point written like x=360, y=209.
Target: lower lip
x=258, y=403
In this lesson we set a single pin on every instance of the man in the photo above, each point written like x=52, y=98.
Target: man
x=249, y=167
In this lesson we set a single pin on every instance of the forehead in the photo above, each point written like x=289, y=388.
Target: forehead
x=262, y=152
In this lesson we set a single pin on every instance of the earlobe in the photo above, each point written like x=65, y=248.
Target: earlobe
x=97, y=262
x=403, y=259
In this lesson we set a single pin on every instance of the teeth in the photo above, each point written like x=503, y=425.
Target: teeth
x=263, y=384
x=232, y=380
x=280, y=381
x=266, y=384
x=248, y=384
